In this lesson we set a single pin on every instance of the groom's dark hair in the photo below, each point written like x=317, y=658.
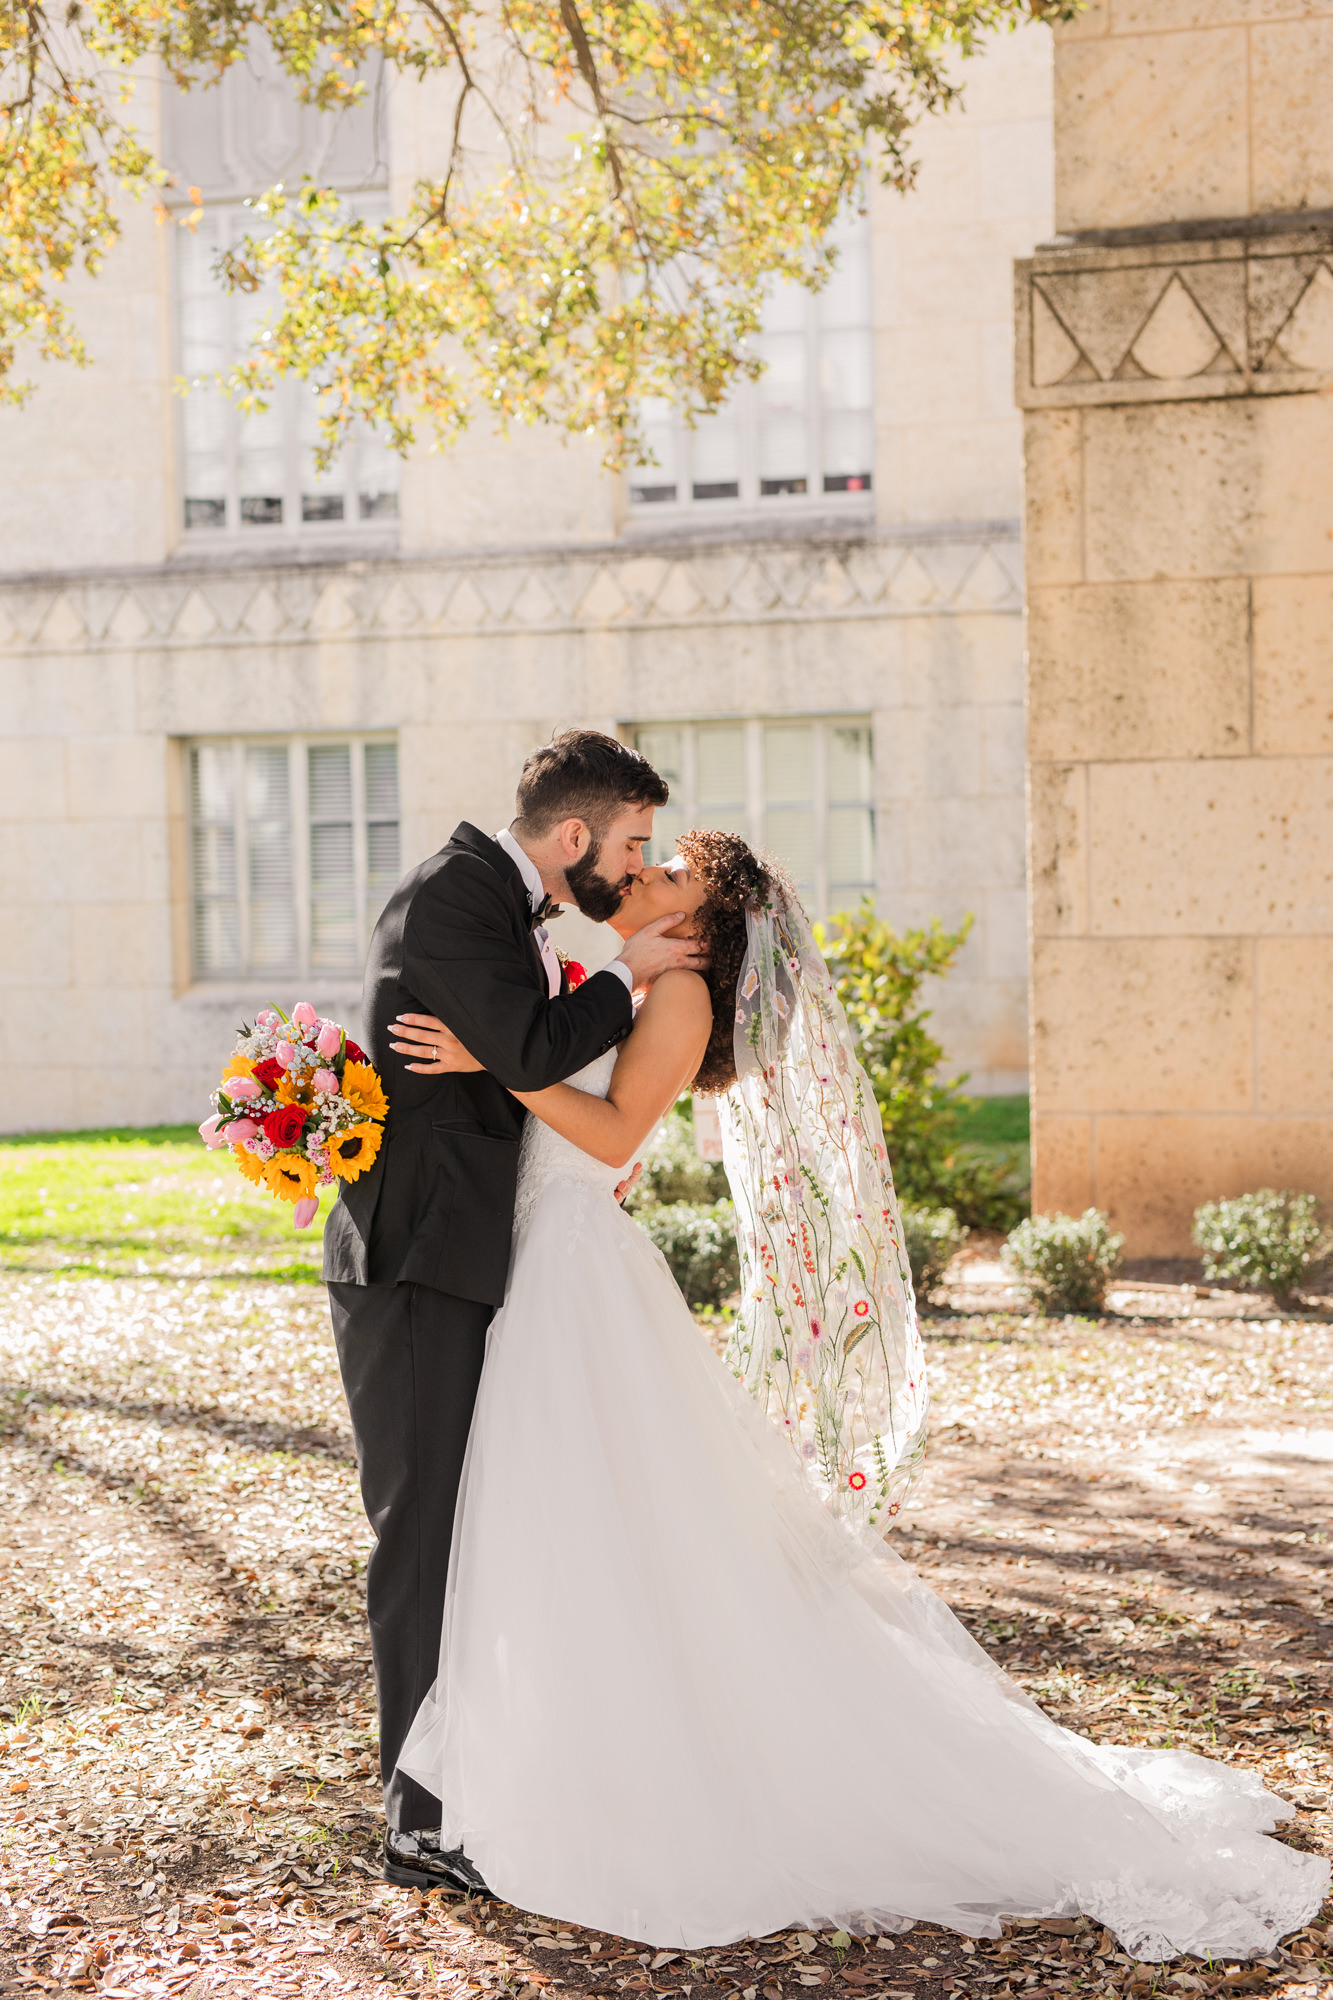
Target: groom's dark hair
x=582, y=774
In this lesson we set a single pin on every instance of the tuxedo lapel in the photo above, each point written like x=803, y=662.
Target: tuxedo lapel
x=468, y=836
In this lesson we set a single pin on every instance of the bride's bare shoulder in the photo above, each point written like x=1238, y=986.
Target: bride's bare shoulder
x=680, y=997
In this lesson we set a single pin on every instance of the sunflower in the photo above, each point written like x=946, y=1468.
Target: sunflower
x=238, y=1066
x=249, y=1163
x=361, y=1087
x=289, y=1176
x=295, y=1090
x=352, y=1151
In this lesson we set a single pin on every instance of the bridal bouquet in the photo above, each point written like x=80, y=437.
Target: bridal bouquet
x=300, y=1107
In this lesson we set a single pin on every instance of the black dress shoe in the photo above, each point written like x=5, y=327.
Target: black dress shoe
x=417, y=1861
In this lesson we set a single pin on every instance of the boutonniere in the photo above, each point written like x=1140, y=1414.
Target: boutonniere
x=573, y=971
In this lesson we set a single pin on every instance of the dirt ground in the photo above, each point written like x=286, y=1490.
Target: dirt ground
x=1133, y=1514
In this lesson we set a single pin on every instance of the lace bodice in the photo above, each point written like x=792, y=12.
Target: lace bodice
x=545, y=1157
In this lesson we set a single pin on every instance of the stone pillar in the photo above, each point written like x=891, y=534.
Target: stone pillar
x=1175, y=369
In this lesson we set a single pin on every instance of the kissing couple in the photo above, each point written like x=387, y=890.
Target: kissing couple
x=643, y=1659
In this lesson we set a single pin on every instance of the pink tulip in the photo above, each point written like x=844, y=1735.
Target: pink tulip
x=285, y=1054
x=241, y=1129
x=305, y=1211
x=304, y=1015
x=239, y=1088
x=324, y=1079
x=266, y=1018
x=329, y=1039
x=208, y=1132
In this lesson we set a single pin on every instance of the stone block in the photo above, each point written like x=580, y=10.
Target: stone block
x=32, y=778
x=122, y=945
x=1062, y=1175
x=1135, y=1024
x=1150, y=128
x=118, y=777
x=1053, y=496
x=1223, y=488
x=966, y=844
x=1293, y=665
x=1152, y=1173
x=1003, y=750
x=1058, y=842
x=1295, y=1017
x=1139, y=670
x=1223, y=847
x=1006, y=919
x=36, y=945
x=37, y=1097
x=1291, y=114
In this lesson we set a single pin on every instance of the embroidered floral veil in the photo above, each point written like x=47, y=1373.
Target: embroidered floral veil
x=826, y=1337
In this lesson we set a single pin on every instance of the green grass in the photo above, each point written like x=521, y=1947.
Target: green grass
x=995, y=1121
x=144, y=1203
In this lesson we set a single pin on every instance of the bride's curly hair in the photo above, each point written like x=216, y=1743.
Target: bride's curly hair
x=735, y=879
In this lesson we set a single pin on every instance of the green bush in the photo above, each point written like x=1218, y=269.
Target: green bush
x=672, y=1169
x=699, y=1244
x=1066, y=1261
x=933, y=1237
x=879, y=975
x=1270, y=1239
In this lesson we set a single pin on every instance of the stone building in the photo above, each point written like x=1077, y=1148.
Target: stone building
x=1175, y=364
x=240, y=697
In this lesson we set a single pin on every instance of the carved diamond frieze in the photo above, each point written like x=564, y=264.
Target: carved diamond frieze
x=891, y=576
x=1233, y=316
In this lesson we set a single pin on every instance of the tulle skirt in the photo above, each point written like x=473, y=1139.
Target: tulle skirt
x=677, y=1703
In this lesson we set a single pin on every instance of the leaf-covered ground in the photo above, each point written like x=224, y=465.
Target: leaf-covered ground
x=1134, y=1514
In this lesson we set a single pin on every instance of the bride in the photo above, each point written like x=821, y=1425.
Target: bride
x=686, y=1694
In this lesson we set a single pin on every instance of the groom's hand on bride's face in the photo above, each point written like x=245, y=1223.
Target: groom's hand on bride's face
x=650, y=953
x=436, y=1048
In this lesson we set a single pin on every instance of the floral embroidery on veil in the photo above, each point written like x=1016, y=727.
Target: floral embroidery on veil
x=826, y=1335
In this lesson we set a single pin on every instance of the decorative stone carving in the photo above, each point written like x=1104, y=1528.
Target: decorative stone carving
x=892, y=575
x=1152, y=322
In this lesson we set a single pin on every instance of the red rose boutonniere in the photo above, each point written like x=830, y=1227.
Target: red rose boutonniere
x=573, y=971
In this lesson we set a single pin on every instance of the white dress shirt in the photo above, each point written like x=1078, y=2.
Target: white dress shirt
x=532, y=882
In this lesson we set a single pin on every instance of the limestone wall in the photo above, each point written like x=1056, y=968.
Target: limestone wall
x=1178, y=384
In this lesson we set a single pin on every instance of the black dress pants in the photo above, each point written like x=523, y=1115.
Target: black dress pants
x=411, y=1362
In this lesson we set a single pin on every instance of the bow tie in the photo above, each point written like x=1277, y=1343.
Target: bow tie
x=545, y=910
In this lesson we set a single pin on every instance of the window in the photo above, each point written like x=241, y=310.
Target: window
x=258, y=471
x=801, y=788
x=253, y=475
x=294, y=849
x=805, y=428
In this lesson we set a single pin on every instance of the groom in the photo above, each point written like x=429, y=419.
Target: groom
x=416, y=1253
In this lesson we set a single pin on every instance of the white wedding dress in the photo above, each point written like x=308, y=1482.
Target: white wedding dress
x=679, y=1703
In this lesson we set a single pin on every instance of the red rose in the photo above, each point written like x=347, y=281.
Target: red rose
x=270, y=1072
x=353, y=1053
x=285, y=1125
x=575, y=973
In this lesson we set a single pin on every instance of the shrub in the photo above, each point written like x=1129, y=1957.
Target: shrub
x=879, y=975
x=699, y=1244
x=672, y=1169
x=933, y=1237
x=1270, y=1239
x=1066, y=1261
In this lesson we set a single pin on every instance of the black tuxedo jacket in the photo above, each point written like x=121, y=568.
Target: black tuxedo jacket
x=437, y=1207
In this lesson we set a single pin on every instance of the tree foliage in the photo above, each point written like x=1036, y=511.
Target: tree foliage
x=616, y=182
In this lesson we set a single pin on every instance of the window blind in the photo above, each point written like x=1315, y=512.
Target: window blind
x=801, y=787
x=294, y=849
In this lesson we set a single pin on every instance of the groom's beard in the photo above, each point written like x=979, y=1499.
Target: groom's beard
x=592, y=893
